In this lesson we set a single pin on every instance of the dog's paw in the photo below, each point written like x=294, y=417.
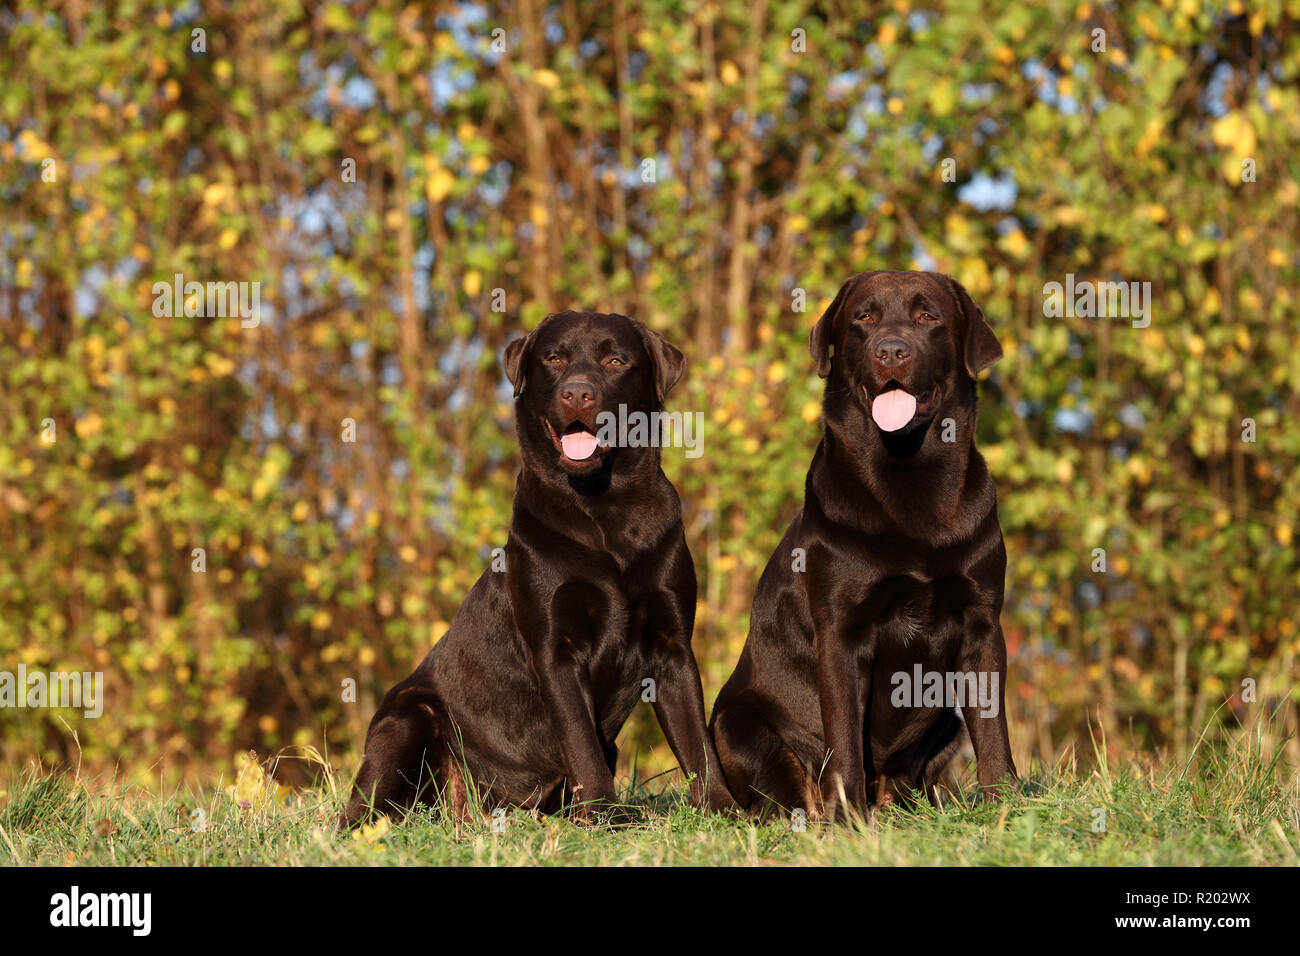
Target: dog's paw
x=603, y=813
x=717, y=801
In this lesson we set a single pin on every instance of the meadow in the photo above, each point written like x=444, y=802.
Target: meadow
x=1234, y=806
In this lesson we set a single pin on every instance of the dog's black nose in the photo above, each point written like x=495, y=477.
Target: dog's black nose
x=893, y=352
x=577, y=395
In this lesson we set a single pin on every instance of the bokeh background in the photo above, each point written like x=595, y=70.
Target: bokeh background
x=500, y=172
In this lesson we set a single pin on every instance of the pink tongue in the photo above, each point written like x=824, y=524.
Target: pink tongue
x=893, y=409
x=579, y=446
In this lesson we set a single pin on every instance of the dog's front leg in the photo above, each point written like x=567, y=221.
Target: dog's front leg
x=551, y=617
x=842, y=691
x=573, y=715
x=679, y=706
x=984, y=653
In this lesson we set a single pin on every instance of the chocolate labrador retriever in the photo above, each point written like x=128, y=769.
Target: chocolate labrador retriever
x=877, y=619
x=521, y=701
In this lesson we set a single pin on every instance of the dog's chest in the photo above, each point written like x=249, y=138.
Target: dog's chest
x=907, y=608
x=608, y=624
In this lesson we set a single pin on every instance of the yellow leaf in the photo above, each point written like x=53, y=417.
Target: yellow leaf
x=92, y=424
x=974, y=274
x=215, y=193
x=250, y=785
x=942, y=98
x=33, y=146
x=372, y=832
x=439, y=185
x=1016, y=245
x=1150, y=136
x=1234, y=130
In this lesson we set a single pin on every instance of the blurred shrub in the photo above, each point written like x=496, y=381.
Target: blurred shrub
x=395, y=175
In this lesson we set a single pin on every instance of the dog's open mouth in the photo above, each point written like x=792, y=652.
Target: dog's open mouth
x=578, y=443
x=894, y=407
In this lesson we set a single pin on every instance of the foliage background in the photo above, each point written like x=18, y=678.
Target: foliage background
x=521, y=171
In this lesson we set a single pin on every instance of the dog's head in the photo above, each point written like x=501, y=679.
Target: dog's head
x=902, y=346
x=572, y=368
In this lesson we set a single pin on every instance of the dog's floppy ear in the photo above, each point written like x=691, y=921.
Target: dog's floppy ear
x=982, y=348
x=668, y=360
x=819, y=339
x=516, y=358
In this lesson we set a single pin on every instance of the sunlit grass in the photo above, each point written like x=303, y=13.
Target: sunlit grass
x=1233, y=806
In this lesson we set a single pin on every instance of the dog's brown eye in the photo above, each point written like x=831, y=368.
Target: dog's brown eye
x=866, y=317
x=616, y=361
x=929, y=317
x=553, y=358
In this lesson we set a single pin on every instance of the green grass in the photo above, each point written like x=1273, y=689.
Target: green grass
x=1235, y=808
